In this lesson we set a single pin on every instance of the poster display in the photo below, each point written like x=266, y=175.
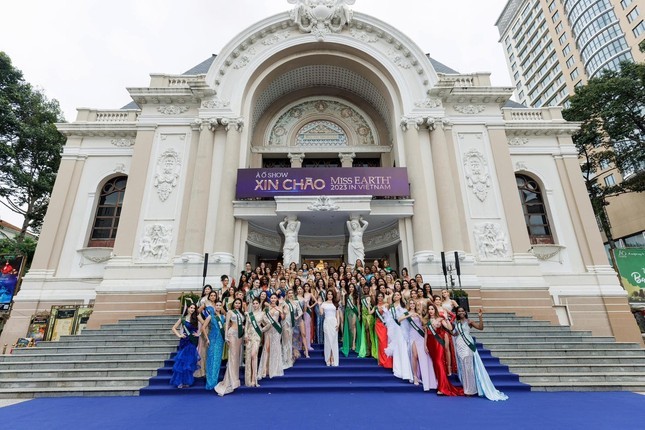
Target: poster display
x=10, y=270
x=61, y=321
x=334, y=181
x=38, y=326
x=631, y=268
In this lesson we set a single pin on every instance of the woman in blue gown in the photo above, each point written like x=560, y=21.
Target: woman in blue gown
x=215, y=343
x=187, y=330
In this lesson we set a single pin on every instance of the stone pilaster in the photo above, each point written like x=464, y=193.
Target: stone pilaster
x=346, y=158
x=296, y=159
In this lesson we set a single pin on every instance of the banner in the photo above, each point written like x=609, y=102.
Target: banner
x=631, y=267
x=10, y=269
x=338, y=181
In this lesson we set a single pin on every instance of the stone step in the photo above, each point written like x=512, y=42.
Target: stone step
x=99, y=391
x=76, y=349
x=118, y=356
x=588, y=386
x=121, y=382
x=520, y=323
x=492, y=339
x=535, y=334
x=574, y=360
x=548, y=352
x=551, y=330
x=128, y=331
x=99, y=336
x=577, y=368
x=583, y=377
x=50, y=373
x=138, y=326
x=512, y=346
x=81, y=343
x=84, y=364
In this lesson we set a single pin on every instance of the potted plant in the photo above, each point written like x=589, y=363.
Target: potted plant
x=187, y=299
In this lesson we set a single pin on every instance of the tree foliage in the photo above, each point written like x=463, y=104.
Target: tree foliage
x=30, y=146
x=12, y=246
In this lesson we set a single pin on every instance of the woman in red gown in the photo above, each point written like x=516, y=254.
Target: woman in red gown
x=381, y=332
x=436, y=327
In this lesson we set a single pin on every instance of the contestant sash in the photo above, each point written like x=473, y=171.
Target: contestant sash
x=220, y=324
x=274, y=323
x=393, y=312
x=434, y=333
x=240, y=324
x=255, y=325
x=471, y=345
x=352, y=306
x=413, y=324
x=291, y=312
x=380, y=317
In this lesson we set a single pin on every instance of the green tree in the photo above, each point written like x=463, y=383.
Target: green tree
x=30, y=146
x=25, y=247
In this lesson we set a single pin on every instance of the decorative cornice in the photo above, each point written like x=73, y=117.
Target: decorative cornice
x=321, y=17
x=518, y=141
x=172, y=110
x=470, y=109
x=323, y=203
x=215, y=103
x=122, y=143
x=429, y=103
x=419, y=122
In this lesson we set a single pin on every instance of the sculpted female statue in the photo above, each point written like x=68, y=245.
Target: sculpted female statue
x=291, y=249
x=355, y=248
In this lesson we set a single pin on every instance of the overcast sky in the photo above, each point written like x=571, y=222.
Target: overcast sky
x=84, y=53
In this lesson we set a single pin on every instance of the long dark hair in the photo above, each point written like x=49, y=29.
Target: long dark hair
x=204, y=289
x=193, y=317
x=334, y=300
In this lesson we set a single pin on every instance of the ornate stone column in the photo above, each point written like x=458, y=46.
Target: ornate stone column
x=133, y=200
x=346, y=158
x=419, y=182
x=296, y=159
x=446, y=180
x=224, y=237
x=199, y=194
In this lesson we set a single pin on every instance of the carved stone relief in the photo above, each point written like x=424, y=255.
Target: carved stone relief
x=215, y=103
x=264, y=240
x=323, y=203
x=167, y=176
x=277, y=37
x=155, y=244
x=345, y=114
x=476, y=172
x=470, y=109
x=491, y=241
x=517, y=141
x=122, y=143
x=428, y=103
x=321, y=17
x=172, y=110
x=363, y=35
x=387, y=237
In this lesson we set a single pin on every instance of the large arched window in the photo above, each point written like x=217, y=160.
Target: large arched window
x=535, y=216
x=108, y=211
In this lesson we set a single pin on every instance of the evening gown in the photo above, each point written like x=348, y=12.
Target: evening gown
x=351, y=316
x=397, y=345
x=289, y=327
x=367, y=329
x=472, y=373
x=215, y=349
x=437, y=355
x=232, y=376
x=252, y=347
x=330, y=333
x=186, y=360
x=271, y=360
x=307, y=319
x=425, y=370
x=381, y=335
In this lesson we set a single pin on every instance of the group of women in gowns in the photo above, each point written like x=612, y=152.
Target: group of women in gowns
x=397, y=322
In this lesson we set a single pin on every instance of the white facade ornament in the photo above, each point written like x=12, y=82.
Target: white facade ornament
x=356, y=247
x=167, y=176
x=400, y=59
x=363, y=35
x=520, y=165
x=264, y=240
x=321, y=17
x=428, y=103
x=291, y=248
x=277, y=37
x=323, y=204
x=244, y=59
x=470, y=109
x=386, y=238
x=517, y=141
x=119, y=168
x=122, y=143
x=172, y=110
x=215, y=104
x=476, y=172
x=156, y=242
x=491, y=241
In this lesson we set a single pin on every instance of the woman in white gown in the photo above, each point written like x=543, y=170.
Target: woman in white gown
x=271, y=360
x=330, y=327
x=421, y=361
x=397, y=345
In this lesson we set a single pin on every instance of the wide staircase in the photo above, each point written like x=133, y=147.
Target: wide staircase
x=135, y=357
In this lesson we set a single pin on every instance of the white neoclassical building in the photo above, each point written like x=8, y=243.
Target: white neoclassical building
x=340, y=116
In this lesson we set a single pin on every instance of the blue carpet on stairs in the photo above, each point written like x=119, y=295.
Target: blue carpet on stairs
x=353, y=374
x=356, y=411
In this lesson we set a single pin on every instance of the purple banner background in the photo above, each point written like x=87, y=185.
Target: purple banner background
x=338, y=181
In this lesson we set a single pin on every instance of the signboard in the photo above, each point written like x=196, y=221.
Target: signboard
x=631, y=267
x=10, y=269
x=339, y=181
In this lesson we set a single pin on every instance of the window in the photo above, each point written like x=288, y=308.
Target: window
x=625, y=3
x=552, y=6
x=108, y=212
x=558, y=28
x=604, y=164
x=610, y=181
x=574, y=74
x=563, y=39
x=570, y=61
x=566, y=50
x=638, y=30
x=276, y=163
x=555, y=17
x=632, y=15
x=535, y=216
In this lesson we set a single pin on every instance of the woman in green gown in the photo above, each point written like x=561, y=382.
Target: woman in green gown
x=367, y=337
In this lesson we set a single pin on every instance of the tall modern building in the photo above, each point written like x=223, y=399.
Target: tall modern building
x=552, y=46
